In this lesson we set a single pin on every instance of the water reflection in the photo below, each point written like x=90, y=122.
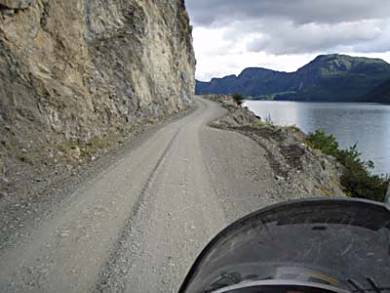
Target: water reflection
x=368, y=125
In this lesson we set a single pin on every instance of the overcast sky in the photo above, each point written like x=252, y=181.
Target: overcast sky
x=230, y=35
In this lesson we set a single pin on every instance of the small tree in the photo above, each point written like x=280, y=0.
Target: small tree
x=356, y=178
x=238, y=99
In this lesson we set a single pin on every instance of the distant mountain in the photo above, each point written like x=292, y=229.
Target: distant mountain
x=327, y=78
x=251, y=82
x=380, y=94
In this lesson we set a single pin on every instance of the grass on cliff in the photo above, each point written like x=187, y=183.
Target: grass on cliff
x=74, y=150
x=357, y=180
x=239, y=99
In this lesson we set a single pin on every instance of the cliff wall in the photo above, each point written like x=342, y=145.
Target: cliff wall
x=77, y=71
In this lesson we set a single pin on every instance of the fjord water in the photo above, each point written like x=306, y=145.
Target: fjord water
x=367, y=125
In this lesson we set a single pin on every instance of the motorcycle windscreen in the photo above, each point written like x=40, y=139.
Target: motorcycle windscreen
x=340, y=243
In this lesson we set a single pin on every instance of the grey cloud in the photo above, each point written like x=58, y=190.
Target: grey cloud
x=379, y=45
x=287, y=38
x=220, y=12
x=298, y=26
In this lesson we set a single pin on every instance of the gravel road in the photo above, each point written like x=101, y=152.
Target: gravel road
x=138, y=225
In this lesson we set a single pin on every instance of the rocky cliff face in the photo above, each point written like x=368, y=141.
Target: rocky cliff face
x=76, y=71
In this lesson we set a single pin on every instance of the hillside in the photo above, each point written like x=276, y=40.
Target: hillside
x=380, y=94
x=326, y=78
x=75, y=75
x=251, y=82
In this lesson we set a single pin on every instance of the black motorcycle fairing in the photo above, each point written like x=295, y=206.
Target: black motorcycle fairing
x=343, y=243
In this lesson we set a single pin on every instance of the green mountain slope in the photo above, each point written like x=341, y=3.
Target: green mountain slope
x=380, y=94
x=326, y=78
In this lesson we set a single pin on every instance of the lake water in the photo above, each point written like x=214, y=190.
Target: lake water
x=367, y=125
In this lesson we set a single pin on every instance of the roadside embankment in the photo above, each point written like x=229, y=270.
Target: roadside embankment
x=303, y=169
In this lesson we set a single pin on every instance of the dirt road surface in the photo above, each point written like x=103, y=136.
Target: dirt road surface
x=139, y=225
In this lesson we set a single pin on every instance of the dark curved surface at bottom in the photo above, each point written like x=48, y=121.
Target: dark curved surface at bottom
x=343, y=243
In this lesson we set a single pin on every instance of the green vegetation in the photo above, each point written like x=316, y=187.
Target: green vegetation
x=239, y=99
x=356, y=179
x=286, y=95
x=75, y=150
x=380, y=94
x=263, y=123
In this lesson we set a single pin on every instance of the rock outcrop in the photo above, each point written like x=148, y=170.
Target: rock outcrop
x=79, y=71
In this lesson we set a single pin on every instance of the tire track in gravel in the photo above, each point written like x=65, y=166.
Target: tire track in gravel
x=107, y=273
